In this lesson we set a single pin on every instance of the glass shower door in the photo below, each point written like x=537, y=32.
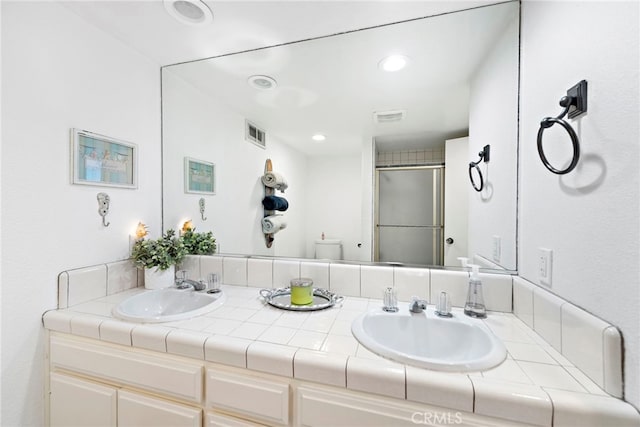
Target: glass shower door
x=409, y=215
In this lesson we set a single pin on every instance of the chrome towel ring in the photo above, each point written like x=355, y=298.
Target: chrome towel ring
x=574, y=104
x=484, y=156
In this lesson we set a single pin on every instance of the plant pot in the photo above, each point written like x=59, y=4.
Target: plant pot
x=159, y=279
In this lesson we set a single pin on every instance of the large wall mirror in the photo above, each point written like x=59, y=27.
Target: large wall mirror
x=390, y=180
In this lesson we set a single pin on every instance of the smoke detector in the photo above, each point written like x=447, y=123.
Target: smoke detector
x=190, y=12
x=389, y=116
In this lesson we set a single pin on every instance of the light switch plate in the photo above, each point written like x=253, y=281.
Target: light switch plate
x=545, y=264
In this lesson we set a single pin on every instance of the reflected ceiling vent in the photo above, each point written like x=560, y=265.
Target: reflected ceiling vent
x=255, y=135
x=389, y=116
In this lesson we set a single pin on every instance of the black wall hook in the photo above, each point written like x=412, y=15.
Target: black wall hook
x=574, y=104
x=484, y=157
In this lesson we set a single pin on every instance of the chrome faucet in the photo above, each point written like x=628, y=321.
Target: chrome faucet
x=417, y=305
x=183, y=283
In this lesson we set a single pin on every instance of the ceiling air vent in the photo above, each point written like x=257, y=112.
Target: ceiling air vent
x=255, y=135
x=388, y=116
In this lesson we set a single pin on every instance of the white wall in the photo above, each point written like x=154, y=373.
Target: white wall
x=198, y=126
x=589, y=218
x=334, y=203
x=57, y=73
x=493, y=120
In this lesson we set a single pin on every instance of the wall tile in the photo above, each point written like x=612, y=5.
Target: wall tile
x=455, y=283
x=234, y=271
x=260, y=273
x=318, y=271
x=497, y=292
x=344, y=279
x=411, y=282
x=374, y=279
x=63, y=290
x=613, y=362
x=582, y=341
x=546, y=317
x=191, y=263
x=121, y=275
x=523, y=300
x=86, y=284
x=284, y=271
x=212, y=264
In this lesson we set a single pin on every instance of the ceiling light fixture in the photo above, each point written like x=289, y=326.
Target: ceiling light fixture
x=190, y=12
x=318, y=137
x=393, y=63
x=262, y=82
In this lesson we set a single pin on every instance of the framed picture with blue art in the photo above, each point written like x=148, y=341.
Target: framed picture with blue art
x=103, y=161
x=199, y=176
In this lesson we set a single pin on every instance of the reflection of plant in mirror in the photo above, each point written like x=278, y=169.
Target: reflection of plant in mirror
x=199, y=243
x=162, y=253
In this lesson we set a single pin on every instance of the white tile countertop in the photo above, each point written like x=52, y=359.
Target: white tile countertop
x=534, y=385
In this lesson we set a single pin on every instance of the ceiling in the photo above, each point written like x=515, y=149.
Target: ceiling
x=240, y=25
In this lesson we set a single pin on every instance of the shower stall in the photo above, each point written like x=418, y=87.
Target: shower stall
x=409, y=215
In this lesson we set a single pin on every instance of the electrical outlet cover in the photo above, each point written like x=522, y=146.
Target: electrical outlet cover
x=545, y=264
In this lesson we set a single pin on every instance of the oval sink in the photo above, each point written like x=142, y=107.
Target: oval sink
x=456, y=344
x=165, y=305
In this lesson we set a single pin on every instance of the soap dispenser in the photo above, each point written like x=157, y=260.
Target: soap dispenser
x=475, y=301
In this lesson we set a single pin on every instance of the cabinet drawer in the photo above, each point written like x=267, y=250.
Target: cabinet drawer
x=77, y=402
x=220, y=420
x=256, y=398
x=170, y=377
x=136, y=410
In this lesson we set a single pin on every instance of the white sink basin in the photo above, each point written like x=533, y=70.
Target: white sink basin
x=165, y=305
x=456, y=344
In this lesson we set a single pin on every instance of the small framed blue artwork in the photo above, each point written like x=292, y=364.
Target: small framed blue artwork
x=199, y=176
x=103, y=161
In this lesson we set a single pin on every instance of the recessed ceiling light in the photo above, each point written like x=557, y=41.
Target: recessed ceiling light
x=262, y=82
x=190, y=12
x=393, y=63
x=318, y=137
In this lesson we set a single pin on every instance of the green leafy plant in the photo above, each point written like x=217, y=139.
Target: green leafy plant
x=199, y=243
x=161, y=253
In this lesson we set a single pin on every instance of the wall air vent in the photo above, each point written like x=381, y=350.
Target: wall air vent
x=389, y=116
x=255, y=135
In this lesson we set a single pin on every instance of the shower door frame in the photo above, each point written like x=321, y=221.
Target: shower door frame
x=438, y=247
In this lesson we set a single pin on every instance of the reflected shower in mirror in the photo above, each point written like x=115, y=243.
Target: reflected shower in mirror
x=376, y=161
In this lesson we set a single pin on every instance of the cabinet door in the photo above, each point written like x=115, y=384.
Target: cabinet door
x=136, y=410
x=76, y=402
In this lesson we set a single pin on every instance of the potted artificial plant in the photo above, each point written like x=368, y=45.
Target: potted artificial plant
x=198, y=243
x=159, y=257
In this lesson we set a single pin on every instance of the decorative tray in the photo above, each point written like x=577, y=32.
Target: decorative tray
x=281, y=298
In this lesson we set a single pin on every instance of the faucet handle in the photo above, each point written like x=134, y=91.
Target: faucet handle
x=416, y=305
x=390, y=300
x=443, y=309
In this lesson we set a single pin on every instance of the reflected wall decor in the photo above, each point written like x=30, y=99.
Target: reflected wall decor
x=199, y=176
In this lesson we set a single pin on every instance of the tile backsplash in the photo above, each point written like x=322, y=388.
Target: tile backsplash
x=592, y=345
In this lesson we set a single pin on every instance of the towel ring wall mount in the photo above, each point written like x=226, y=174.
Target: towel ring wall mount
x=574, y=104
x=484, y=157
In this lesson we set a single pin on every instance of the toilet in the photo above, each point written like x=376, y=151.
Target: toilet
x=329, y=249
